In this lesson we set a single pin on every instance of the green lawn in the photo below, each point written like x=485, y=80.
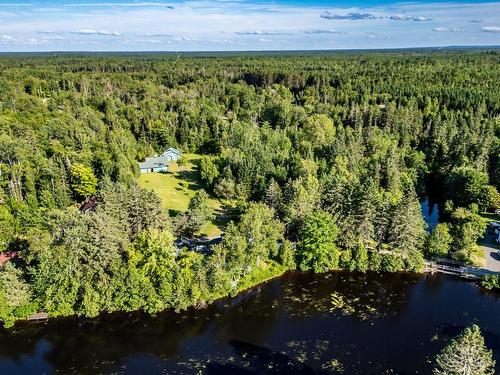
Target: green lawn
x=176, y=188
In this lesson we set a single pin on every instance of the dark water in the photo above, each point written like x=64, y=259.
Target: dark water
x=430, y=212
x=390, y=324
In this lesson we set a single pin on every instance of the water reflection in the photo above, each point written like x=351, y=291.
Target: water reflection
x=22, y=362
x=430, y=212
x=387, y=323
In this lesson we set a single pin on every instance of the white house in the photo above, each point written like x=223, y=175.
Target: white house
x=159, y=163
x=172, y=154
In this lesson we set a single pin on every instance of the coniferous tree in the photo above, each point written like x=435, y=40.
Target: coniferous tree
x=466, y=355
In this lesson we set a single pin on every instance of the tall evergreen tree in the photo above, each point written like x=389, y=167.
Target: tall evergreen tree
x=466, y=355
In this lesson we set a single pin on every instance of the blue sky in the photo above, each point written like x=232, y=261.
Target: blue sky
x=229, y=25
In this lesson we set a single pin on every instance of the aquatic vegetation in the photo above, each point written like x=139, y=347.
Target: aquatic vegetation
x=333, y=365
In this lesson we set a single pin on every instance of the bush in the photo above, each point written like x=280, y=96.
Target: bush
x=391, y=263
x=375, y=261
x=491, y=282
x=346, y=261
x=360, y=256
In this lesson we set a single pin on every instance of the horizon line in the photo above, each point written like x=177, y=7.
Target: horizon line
x=469, y=46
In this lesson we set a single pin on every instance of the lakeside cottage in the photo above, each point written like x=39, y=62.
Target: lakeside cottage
x=159, y=164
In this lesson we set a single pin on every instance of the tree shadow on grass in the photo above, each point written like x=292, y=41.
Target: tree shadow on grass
x=191, y=177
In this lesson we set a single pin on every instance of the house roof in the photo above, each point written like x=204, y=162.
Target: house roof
x=159, y=161
x=155, y=162
x=172, y=150
x=88, y=205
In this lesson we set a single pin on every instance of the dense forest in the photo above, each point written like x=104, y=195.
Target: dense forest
x=327, y=157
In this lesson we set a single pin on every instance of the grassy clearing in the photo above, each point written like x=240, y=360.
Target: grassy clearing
x=477, y=257
x=178, y=186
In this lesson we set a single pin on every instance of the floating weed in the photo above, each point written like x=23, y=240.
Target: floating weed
x=320, y=347
x=354, y=306
x=295, y=344
x=337, y=300
x=333, y=365
x=301, y=357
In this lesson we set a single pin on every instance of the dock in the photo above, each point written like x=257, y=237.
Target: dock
x=453, y=267
x=38, y=317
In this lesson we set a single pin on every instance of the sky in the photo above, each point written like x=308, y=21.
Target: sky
x=243, y=25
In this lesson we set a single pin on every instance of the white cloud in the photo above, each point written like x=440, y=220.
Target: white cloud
x=400, y=17
x=324, y=31
x=156, y=35
x=421, y=18
x=446, y=29
x=260, y=32
x=10, y=40
x=404, y=17
x=355, y=16
x=491, y=29
x=96, y=32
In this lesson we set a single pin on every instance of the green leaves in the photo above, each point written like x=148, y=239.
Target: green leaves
x=438, y=243
x=316, y=247
x=83, y=181
x=466, y=355
x=15, y=295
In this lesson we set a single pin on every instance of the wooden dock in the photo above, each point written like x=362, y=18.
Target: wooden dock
x=38, y=317
x=453, y=267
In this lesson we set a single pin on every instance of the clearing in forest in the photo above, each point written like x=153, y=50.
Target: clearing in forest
x=176, y=187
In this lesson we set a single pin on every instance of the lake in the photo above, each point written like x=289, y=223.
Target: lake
x=299, y=323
